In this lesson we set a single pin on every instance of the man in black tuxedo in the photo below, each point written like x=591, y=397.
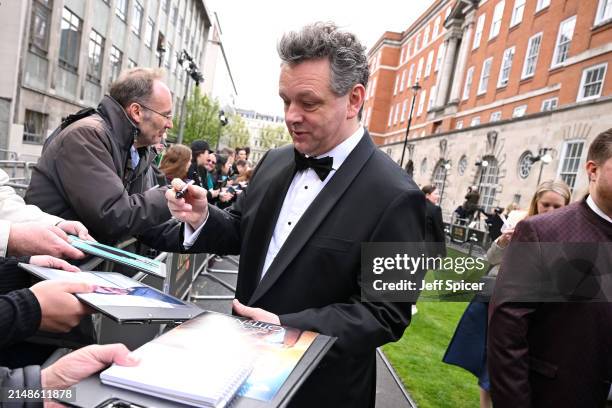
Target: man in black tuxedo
x=299, y=226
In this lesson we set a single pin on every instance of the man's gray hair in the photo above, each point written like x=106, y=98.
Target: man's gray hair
x=135, y=85
x=349, y=65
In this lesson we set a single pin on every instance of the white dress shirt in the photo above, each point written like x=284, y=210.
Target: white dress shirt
x=596, y=209
x=304, y=188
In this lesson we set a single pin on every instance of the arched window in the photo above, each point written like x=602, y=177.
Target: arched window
x=439, y=176
x=487, y=185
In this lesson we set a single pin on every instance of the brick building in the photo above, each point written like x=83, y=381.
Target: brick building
x=511, y=92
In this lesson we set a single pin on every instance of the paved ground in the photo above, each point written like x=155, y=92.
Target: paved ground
x=213, y=291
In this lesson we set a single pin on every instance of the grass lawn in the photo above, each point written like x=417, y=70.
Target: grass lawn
x=417, y=357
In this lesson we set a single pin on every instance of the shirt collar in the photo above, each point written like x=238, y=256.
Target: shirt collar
x=596, y=209
x=341, y=152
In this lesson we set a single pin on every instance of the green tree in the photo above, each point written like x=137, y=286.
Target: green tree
x=274, y=136
x=236, y=132
x=201, y=121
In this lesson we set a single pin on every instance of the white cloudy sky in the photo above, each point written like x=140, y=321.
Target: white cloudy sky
x=252, y=28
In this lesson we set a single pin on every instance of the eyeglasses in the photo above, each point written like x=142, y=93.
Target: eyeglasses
x=167, y=116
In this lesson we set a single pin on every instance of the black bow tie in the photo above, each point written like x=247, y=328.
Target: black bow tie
x=321, y=166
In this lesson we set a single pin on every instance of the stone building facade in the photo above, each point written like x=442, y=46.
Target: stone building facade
x=510, y=92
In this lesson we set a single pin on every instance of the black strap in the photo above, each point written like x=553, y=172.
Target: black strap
x=70, y=119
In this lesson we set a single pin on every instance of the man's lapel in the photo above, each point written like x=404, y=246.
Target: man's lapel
x=315, y=214
x=265, y=221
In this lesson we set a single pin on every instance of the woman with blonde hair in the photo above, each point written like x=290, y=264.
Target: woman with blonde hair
x=176, y=162
x=467, y=348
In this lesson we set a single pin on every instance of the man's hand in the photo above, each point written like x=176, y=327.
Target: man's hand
x=38, y=239
x=192, y=208
x=225, y=197
x=84, y=362
x=75, y=228
x=254, y=313
x=51, y=262
x=60, y=310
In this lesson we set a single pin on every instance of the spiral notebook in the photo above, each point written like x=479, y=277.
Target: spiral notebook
x=196, y=364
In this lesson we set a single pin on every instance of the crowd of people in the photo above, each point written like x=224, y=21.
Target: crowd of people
x=298, y=223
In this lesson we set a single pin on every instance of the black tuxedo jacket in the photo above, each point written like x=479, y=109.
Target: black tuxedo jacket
x=434, y=230
x=314, y=281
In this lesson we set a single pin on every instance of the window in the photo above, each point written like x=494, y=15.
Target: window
x=489, y=178
x=402, y=55
x=417, y=43
x=475, y=121
x=390, y=117
x=517, y=12
x=41, y=19
x=429, y=63
x=495, y=116
x=459, y=124
x=604, y=11
x=519, y=111
x=404, y=106
x=95, y=52
x=570, y=162
x=396, y=84
x=169, y=57
x=131, y=63
x=419, y=69
x=70, y=40
x=506, y=66
x=484, y=76
x=591, y=83
x=403, y=80
x=549, y=104
x=564, y=39
x=410, y=75
x=149, y=34
x=166, y=6
x=525, y=164
x=373, y=88
x=498, y=13
x=121, y=9
x=469, y=77
x=432, y=96
x=447, y=13
x=34, y=127
x=116, y=58
x=439, y=56
x=174, y=14
x=542, y=4
x=478, y=32
x=436, y=27
x=462, y=165
x=137, y=18
x=531, y=58
x=439, y=177
x=426, y=36
x=395, y=115
x=422, y=102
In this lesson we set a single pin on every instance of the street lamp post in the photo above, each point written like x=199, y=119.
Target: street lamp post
x=543, y=157
x=194, y=73
x=222, y=122
x=483, y=165
x=415, y=89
